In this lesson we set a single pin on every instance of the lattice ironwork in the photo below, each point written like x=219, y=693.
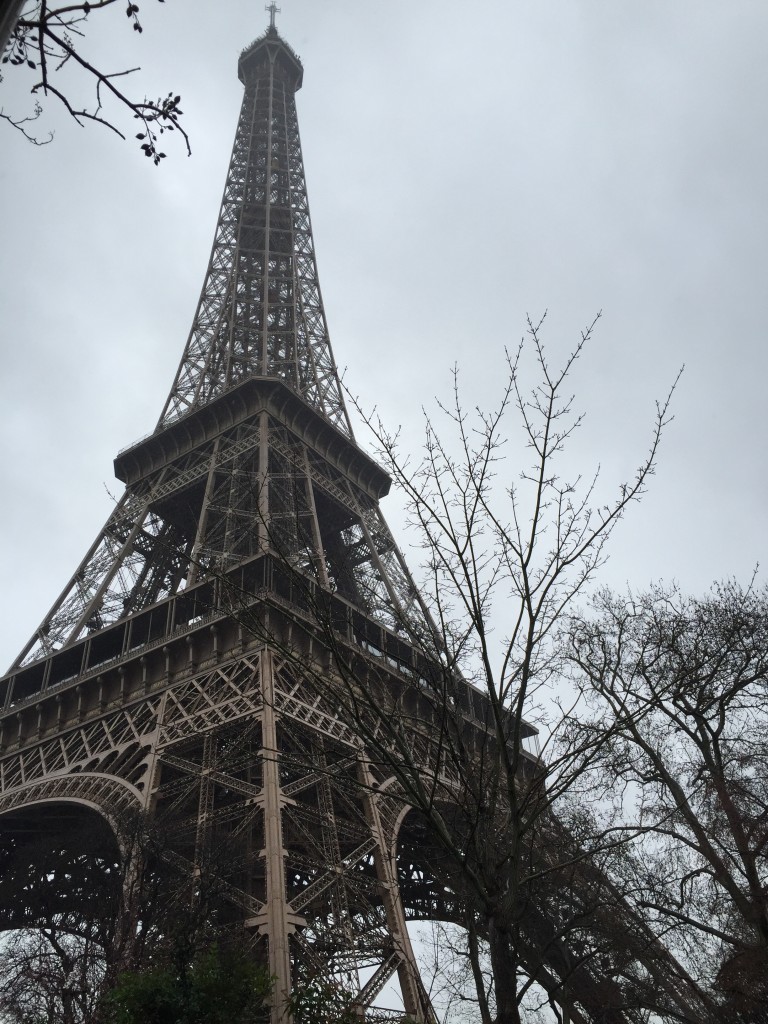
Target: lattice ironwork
x=259, y=486
x=261, y=482
x=261, y=311
x=145, y=688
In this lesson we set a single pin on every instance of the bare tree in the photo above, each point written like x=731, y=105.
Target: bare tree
x=681, y=685
x=460, y=981
x=502, y=564
x=49, y=975
x=47, y=39
x=59, y=891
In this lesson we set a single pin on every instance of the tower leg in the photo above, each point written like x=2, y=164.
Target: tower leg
x=415, y=1000
x=276, y=925
x=123, y=952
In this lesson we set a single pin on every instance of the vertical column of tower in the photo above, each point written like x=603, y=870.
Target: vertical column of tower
x=276, y=917
x=408, y=975
x=205, y=800
x=317, y=373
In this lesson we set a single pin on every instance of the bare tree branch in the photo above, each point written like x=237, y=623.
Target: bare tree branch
x=45, y=39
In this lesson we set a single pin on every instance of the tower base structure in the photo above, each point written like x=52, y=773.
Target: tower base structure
x=227, y=728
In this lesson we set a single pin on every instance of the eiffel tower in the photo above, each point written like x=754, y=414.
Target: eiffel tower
x=184, y=671
x=149, y=685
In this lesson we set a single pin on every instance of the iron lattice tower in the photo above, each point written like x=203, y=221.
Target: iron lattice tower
x=186, y=670
x=152, y=682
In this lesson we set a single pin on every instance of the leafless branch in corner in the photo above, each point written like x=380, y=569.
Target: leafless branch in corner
x=21, y=124
x=45, y=39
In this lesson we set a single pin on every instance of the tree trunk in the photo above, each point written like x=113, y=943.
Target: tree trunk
x=504, y=964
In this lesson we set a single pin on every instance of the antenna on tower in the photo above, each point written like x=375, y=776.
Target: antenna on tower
x=273, y=10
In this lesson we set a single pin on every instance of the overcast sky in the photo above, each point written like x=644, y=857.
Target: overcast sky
x=466, y=164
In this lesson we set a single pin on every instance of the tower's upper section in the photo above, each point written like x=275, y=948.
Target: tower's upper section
x=260, y=312
x=270, y=53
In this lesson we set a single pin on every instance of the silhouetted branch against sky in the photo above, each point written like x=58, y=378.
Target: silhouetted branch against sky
x=51, y=43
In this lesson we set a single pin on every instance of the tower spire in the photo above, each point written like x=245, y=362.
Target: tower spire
x=273, y=10
x=261, y=311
